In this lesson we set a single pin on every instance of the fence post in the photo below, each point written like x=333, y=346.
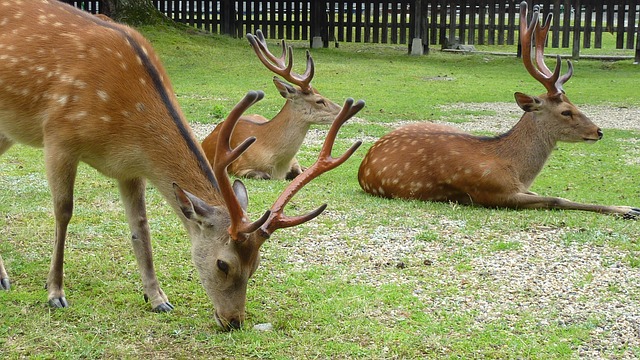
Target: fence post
x=577, y=19
x=228, y=17
x=319, y=25
x=416, y=44
x=637, y=59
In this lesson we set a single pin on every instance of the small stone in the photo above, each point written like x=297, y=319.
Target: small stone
x=263, y=327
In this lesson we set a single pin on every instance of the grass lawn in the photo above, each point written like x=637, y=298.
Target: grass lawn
x=369, y=278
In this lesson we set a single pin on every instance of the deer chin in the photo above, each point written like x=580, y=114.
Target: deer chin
x=590, y=141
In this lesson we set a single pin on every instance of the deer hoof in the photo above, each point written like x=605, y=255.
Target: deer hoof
x=166, y=307
x=5, y=284
x=633, y=214
x=60, y=302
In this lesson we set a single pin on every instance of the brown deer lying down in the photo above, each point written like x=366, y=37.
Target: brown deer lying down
x=440, y=163
x=124, y=121
x=277, y=140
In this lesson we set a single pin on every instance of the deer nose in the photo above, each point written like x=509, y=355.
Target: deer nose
x=600, y=134
x=235, y=324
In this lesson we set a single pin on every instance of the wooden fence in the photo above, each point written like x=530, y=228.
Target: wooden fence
x=576, y=24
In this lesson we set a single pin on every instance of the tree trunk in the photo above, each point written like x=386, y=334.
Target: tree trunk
x=133, y=12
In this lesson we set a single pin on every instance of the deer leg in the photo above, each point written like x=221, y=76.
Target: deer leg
x=61, y=174
x=529, y=201
x=5, y=144
x=294, y=170
x=4, y=277
x=255, y=174
x=132, y=193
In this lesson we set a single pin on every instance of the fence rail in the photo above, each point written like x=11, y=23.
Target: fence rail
x=576, y=24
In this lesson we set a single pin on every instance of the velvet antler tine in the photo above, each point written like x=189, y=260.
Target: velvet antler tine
x=325, y=162
x=224, y=156
x=564, y=78
x=551, y=81
x=280, y=65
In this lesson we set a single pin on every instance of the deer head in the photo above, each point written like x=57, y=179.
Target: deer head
x=226, y=252
x=305, y=101
x=562, y=117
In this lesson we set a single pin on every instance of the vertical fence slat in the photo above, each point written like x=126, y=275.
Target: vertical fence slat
x=631, y=21
x=482, y=15
x=588, y=26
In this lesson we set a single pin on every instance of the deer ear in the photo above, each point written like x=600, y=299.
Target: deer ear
x=285, y=89
x=192, y=206
x=528, y=103
x=241, y=194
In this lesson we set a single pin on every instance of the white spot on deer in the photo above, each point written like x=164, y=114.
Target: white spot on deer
x=79, y=84
x=78, y=116
x=105, y=118
x=143, y=81
x=102, y=95
x=467, y=171
x=123, y=65
x=367, y=172
x=18, y=15
x=395, y=181
x=140, y=107
x=62, y=100
x=126, y=114
x=381, y=190
x=139, y=59
x=58, y=24
x=4, y=21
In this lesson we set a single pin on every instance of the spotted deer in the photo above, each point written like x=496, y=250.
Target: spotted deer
x=278, y=140
x=94, y=91
x=435, y=162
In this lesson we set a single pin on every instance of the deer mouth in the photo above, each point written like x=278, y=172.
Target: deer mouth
x=225, y=324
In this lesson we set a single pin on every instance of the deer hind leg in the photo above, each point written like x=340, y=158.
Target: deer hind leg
x=4, y=277
x=61, y=174
x=254, y=174
x=132, y=194
x=530, y=201
x=294, y=170
x=5, y=144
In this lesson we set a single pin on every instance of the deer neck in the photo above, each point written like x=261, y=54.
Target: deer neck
x=173, y=155
x=528, y=145
x=288, y=131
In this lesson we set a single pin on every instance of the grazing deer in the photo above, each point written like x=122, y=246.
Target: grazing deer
x=440, y=163
x=277, y=140
x=94, y=91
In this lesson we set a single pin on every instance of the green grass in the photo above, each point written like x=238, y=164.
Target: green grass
x=346, y=296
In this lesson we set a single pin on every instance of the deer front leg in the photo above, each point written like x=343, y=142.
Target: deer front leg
x=4, y=277
x=254, y=174
x=529, y=201
x=5, y=144
x=61, y=174
x=294, y=170
x=132, y=193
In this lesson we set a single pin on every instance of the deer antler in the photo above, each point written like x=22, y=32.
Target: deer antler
x=225, y=156
x=325, y=162
x=552, y=81
x=277, y=64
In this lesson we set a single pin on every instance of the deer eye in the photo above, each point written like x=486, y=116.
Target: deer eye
x=223, y=266
x=566, y=113
x=320, y=102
